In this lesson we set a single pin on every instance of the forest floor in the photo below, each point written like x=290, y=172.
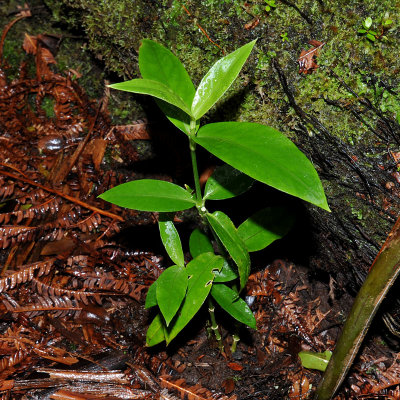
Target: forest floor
x=75, y=271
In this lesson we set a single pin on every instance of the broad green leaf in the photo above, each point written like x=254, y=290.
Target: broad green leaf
x=265, y=226
x=150, y=195
x=226, y=274
x=266, y=155
x=231, y=240
x=159, y=64
x=312, y=360
x=201, y=274
x=171, y=290
x=151, y=298
x=199, y=243
x=153, y=88
x=226, y=182
x=155, y=332
x=218, y=79
x=171, y=241
x=230, y=301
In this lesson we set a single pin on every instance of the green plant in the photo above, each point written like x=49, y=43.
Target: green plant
x=284, y=37
x=251, y=151
x=371, y=34
x=270, y=4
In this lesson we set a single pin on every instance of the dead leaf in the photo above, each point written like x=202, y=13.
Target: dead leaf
x=235, y=366
x=307, y=64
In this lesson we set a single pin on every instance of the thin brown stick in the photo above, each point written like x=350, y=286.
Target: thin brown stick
x=203, y=30
x=65, y=196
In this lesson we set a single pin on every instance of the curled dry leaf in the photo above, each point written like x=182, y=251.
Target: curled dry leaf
x=307, y=64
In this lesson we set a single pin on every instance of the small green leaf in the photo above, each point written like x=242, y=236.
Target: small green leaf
x=362, y=31
x=151, y=298
x=367, y=22
x=387, y=22
x=373, y=33
x=265, y=226
x=266, y=155
x=171, y=240
x=226, y=274
x=226, y=182
x=231, y=240
x=218, y=79
x=201, y=274
x=155, y=332
x=372, y=38
x=312, y=360
x=150, y=195
x=171, y=290
x=229, y=300
x=152, y=88
x=199, y=243
x=159, y=64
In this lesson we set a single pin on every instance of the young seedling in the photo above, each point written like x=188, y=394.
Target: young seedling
x=371, y=34
x=250, y=151
x=270, y=4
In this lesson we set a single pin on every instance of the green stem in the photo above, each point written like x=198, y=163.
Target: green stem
x=214, y=325
x=381, y=276
x=192, y=146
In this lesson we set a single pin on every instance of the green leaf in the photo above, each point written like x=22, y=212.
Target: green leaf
x=150, y=195
x=159, y=64
x=171, y=240
x=199, y=243
x=265, y=226
x=201, y=272
x=312, y=360
x=233, y=304
x=226, y=182
x=231, y=240
x=218, y=79
x=155, y=332
x=171, y=290
x=151, y=298
x=372, y=38
x=362, y=31
x=226, y=274
x=152, y=88
x=266, y=155
x=368, y=22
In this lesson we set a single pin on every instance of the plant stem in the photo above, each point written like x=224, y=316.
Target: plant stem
x=192, y=146
x=380, y=278
x=214, y=325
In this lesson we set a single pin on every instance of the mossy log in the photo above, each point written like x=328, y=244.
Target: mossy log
x=344, y=114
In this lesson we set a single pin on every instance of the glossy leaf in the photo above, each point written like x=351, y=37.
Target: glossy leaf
x=159, y=64
x=151, y=298
x=265, y=226
x=199, y=243
x=171, y=290
x=312, y=360
x=152, y=88
x=230, y=301
x=226, y=182
x=231, y=240
x=266, y=155
x=218, y=79
x=201, y=274
x=171, y=241
x=155, y=332
x=150, y=195
x=226, y=274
